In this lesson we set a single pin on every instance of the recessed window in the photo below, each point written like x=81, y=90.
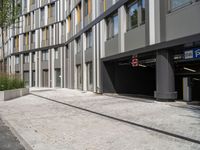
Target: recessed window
x=89, y=39
x=45, y=55
x=56, y=54
x=132, y=14
x=112, y=26
x=33, y=58
x=178, y=3
x=26, y=58
x=17, y=60
x=78, y=43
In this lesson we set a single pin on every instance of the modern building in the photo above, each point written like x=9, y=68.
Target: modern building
x=136, y=47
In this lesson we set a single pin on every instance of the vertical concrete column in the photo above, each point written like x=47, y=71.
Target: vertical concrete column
x=84, y=64
x=53, y=68
x=94, y=59
x=122, y=28
x=22, y=66
x=49, y=68
x=165, y=82
x=98, y=63
x=187, y=89
x=30, y=69
x=62, y=66
x=40, y=68
x=36, y=69
x=103, y=35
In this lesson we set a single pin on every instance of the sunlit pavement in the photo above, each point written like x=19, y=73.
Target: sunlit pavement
x=64, y=119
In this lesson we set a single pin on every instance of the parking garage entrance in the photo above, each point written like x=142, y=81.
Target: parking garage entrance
x=123, y=77
x=188, y=80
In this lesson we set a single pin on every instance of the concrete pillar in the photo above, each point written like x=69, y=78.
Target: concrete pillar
x=21, y=66
x=30, y=69
x=165, y=82
x=187, y=90
x=40, y=69
x=122, y=28
x=84, y=65
x=36, y=69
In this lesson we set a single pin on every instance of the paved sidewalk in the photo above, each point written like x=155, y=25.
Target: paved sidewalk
x=63, y=119
x=7, y=140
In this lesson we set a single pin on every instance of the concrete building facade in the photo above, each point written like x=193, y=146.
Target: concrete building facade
x=134, y=47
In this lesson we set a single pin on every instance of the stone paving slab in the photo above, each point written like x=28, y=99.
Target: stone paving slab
x=46, y=125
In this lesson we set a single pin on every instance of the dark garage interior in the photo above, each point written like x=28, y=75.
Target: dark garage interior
x=121, y=77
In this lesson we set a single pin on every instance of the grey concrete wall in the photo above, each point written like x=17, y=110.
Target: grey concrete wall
x=44, y=64
x=135, y=38
x=57, y=63
x=88, y=55
x=33, y=66
x=183, y=22
x=26, y=67
x=17, y=68
x=79, y=58
x=111, y=46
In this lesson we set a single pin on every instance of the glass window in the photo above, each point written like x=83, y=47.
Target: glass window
x=45, y=55
x=178, y=3
x=86, y=7
x=33, y=37
x=56, y=54
x=115, y=24
x=89, y=39
x=26, y=59
x=112, y=26
x=42, y=14
x=33, y=58
x=142, y=3
x=17, y=60
x=132, y=15
x=78, y=41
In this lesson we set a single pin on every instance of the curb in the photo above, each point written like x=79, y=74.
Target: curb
x=19, y=137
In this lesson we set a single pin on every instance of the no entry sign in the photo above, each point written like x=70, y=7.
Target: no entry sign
x=134, y=61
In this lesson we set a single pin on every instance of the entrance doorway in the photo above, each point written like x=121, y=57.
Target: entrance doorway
x=58, y=77
x=45, y=78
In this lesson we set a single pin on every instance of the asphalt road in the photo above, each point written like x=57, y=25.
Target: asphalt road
x=7, y=140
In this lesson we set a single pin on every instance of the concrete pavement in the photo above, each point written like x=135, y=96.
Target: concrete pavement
x=63, y=119
x=7, y=140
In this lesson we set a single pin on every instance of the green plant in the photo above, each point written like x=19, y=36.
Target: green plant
x=9, y=82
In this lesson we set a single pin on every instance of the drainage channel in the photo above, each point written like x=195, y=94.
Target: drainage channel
x=124, y=121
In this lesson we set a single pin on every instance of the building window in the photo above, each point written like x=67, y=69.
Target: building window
x=25, y=4
x=86, y=7
x=56, y=54
x=78, y=14
x=178, y=3
x=78, y=43
x=112, y=26
x=33, y=37
x=32, y=2
x=17, y=60
x=26, y=59
x=28, y=19
x=33, y=58
x=132, y=14
x=42, y=14
x=51, y=10
x=45, y=55
x=89, y=39
x=142, y=3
